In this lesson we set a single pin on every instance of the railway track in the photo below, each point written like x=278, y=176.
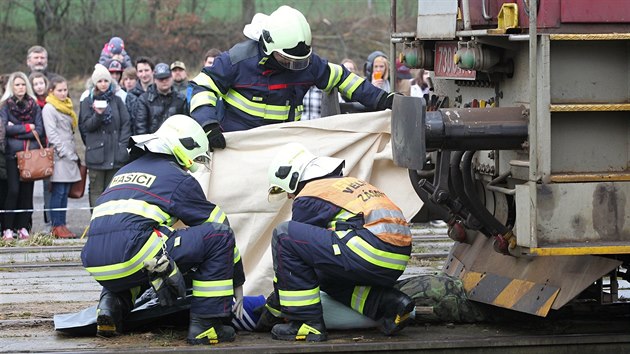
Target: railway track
x=38, y=282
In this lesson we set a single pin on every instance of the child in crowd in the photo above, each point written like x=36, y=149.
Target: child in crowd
x=20, y=116
x=115, y=49
x=129, y=79
x=60, y=122
x=40, y=83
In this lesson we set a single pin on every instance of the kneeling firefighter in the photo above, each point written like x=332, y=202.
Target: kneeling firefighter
x=345, y=238
x=132, y=246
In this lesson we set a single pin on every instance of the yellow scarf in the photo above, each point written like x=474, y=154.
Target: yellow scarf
x=64, y=107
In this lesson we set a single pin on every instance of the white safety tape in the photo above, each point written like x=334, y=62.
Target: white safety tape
x=49, y=209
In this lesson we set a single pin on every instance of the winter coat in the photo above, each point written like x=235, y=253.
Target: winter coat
x=60, y=135
x=105, y=144
x=152, y=108
x=18, y=133
x=137, y=90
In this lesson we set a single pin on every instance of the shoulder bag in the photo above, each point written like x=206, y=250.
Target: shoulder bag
x=35, y=164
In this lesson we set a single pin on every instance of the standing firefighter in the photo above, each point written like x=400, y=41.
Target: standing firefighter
x=345, y=238
x=264, y=79
x=131, y=244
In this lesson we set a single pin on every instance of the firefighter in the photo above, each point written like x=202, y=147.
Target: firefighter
x=264, y=79
x=131, y=244
x=345, y=238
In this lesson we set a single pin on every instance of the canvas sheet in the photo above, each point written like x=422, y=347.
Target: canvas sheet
x=237, y=180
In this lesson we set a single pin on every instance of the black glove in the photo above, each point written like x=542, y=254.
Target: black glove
x=386, y=101
x=216, y=140
x=166, y=279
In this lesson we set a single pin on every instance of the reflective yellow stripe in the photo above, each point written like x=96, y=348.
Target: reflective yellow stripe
x=202, y=99
x=121, y=270
x=359, y=296
x=211, y=334
x=342, y=215
x=217, y=215
x=212, y=288
x=132, y=206
x=261, y=110
x=298, y=112
x=336, y=250
x=237, y=255
x=273, y=311
x=206, y=81
x=335, y=76
x=299, y=297
x=377, y=257
x=350, y=84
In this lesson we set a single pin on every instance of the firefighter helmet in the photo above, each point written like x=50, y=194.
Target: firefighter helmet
x=295, y=164
x=180, y=136
x=287, y=33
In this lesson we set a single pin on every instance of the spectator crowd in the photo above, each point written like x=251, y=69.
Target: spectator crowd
x=122, y=97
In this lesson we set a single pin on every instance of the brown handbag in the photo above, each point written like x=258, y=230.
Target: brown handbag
x=35, y=164
x=78, y=188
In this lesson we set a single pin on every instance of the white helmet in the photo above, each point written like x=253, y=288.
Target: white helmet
x=180, y=136
x=287, y=33
x=295, y=164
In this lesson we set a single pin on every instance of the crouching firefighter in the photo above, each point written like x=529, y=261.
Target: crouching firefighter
x=132, y=246
x=345, y=238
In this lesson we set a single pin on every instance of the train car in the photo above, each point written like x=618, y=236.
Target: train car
x=523, y=146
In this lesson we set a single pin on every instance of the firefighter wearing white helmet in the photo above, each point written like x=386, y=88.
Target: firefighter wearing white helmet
x=264, y=79
x=345, y=237
x=132, y=246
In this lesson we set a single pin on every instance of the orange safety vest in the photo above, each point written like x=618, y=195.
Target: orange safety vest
x=382, y=217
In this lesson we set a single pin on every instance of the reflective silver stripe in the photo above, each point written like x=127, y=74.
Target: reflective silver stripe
x=359, y=296
x=335, y=76
x=217, y=215
x=342, y=215
x=133, y=265
x=213, y=288
x=257, y=109
x=132, y=206
x=389, y=228
x=201, y=99
x=350, y=84
x=299, y=297
x=377, y=257
x=206, y=81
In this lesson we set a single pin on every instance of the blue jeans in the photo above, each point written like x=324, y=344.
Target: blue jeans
x=59, y=199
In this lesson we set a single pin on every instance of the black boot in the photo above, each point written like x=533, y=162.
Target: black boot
x=109, y=315
x=394, y=311
x=269, y=314
x=310, y=331
x=209, y=331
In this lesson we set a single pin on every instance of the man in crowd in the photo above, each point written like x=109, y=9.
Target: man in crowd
x=180, y=77
x=159, y=102
x=37, y=60
x=131, y=244
x=345, y=237
x=144, y=70
x=264, y=79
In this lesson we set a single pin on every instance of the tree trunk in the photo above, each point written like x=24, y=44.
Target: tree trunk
x=249, y=10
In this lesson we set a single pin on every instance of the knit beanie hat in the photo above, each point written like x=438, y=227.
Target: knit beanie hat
x=100, y=73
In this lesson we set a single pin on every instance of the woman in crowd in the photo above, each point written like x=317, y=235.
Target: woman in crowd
x=40, y=83
x=60, y=122
x=105, y=129
x=21, y=116
x=129, y=78
x=380, y=73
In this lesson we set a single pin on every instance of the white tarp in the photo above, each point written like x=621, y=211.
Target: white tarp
x=238, y=183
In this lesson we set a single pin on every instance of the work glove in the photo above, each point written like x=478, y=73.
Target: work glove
x=216, y=140
x=386, y=101
x=166, y=279
x=237, y=308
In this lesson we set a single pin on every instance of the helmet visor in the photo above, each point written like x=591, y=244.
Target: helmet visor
x=290, y=63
